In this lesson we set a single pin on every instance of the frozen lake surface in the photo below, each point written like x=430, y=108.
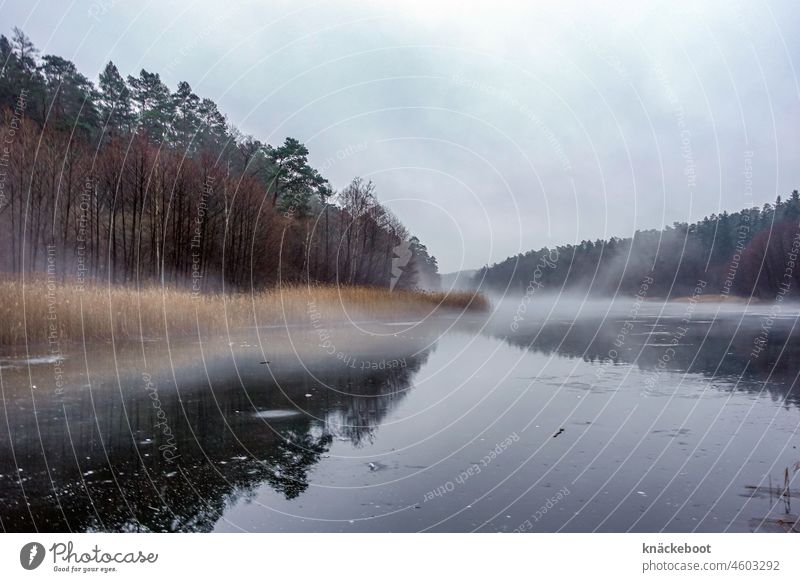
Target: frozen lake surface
x=567, y=423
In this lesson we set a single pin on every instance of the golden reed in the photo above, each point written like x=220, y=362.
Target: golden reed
x=40, y=311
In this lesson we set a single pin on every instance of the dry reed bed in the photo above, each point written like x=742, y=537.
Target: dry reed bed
x=71, y=313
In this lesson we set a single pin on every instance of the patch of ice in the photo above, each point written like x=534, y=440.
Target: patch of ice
x=276, y=413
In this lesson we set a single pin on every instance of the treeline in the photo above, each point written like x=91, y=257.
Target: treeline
x=128, y=181
x=747, y=253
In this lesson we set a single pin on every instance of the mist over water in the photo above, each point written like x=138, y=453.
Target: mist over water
x=584, y=416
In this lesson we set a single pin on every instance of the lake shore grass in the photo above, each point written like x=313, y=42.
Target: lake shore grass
x=41, y=312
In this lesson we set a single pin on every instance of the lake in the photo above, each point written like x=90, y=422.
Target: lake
x=561, y=421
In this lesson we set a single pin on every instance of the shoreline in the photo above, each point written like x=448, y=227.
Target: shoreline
x=49, y=315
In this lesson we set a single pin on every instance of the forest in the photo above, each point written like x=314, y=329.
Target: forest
x=749, y=253
x=128, y=182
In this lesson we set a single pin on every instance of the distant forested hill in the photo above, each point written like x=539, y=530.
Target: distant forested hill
x=750, y=252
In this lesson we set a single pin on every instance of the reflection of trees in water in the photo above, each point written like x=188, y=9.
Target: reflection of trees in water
x=289, y=463
x=367, y=401
x=716, y=350
x=224, y=457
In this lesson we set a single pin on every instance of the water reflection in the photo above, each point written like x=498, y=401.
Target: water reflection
x=169, y=451
x=719, y=347
x=272, y=433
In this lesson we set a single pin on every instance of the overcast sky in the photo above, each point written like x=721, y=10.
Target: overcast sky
x=489, y=128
